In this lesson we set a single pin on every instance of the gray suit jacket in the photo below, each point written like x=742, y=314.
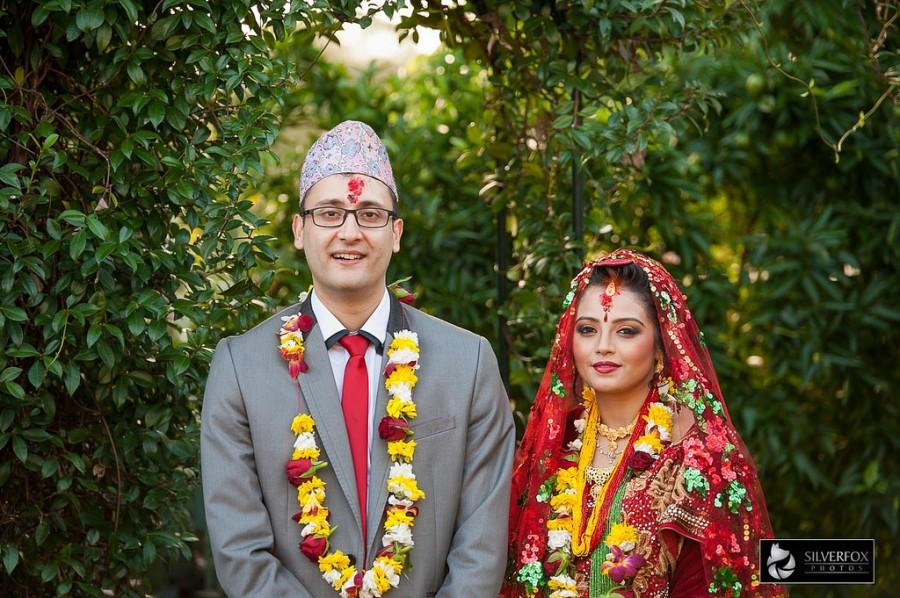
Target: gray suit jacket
x=465, y=441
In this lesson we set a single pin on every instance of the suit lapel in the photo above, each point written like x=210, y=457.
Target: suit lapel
x=320, y=393
x=379, y=463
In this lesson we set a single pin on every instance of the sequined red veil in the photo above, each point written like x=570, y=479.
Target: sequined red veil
x=719, y=502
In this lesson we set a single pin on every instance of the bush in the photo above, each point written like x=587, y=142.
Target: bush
x=130, y=130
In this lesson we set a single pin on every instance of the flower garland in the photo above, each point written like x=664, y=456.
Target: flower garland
x=337, y=568
x=565, y=488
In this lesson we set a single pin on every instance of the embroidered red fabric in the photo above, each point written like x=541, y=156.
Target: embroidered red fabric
x=722, y=505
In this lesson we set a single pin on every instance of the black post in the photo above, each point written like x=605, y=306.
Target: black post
x=578, y=206
x=577, y=187
x=503, y=263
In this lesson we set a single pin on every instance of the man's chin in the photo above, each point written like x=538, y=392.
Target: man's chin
x=354, y=287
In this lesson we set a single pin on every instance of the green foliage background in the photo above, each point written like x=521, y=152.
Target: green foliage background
x=130, y=131
x=703, y=133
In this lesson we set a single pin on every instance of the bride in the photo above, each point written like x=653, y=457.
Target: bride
x=631, y=479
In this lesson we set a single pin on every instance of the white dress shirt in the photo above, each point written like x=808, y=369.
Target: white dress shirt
x=376, y=325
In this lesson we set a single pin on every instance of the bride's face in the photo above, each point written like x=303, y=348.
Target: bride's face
x=614, y=350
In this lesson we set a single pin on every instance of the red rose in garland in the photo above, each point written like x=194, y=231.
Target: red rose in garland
x=313, y=547
x=393, y=428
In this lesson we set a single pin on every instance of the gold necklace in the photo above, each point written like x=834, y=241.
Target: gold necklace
x=613, y=435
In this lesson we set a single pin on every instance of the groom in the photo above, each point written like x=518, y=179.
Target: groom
x=400, y=489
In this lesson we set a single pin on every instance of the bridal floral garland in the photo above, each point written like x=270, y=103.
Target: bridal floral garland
x=562, y=492
x=337, y=568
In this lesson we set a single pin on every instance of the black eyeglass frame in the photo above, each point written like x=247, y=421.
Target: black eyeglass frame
x=311, y=212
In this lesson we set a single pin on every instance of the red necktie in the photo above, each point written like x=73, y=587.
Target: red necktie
x=355, y=404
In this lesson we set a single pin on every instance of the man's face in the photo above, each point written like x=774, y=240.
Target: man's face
x=348, y=261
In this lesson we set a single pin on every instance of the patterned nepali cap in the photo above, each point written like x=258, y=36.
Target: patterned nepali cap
x=352, y=147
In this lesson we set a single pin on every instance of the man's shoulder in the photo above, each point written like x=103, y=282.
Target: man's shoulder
x=265, y=331
x=427, y=325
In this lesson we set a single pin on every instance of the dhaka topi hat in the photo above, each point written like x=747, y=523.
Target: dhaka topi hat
x=352, y=147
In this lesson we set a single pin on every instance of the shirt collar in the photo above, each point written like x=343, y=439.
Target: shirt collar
x=376, y=325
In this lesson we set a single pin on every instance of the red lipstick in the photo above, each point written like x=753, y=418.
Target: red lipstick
x=605, y=367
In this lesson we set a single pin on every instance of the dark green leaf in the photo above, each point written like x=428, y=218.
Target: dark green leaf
x=10, y=558
x=88, y=18
x=97, y=227
x=49, y=468
x=10, y=373
x=20, y=448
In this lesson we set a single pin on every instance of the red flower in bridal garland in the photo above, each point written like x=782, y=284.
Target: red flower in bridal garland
x=639, y=460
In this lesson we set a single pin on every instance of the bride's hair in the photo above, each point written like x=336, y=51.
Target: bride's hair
x=633, y=278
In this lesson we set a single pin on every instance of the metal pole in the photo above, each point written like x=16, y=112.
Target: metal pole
x=578, y=206
x=503, y=259
x=577, y=186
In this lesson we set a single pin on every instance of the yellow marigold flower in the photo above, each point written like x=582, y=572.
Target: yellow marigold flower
x=565, y=478
x=402, y=374
x=555, y=584
x=398, y=517
x=336, y=560
x=659, y=416
x=346, y=574
x=384, y=561
x=302, y=423
x=308, y=453
x=560, y=524
x=319, y=516
x=404, y=449
x=621, y=533
x=564, y=500
x=400, y=343
x=405, y=486
x=313, y=488
x=320, y=528
x=291, y=343
x=381, y=580
x=397, y=407
x=652, y=440
x=310, y=501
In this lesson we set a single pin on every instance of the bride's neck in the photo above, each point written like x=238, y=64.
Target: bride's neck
x=616, y=412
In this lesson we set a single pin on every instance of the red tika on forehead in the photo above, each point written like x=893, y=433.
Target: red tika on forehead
x=355, y=188
x=606, y=299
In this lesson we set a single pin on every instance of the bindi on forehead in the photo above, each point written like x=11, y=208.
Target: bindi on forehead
x=606, y=298
x=355, y=188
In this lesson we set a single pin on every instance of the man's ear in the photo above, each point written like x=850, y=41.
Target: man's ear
x=297, y=227
x=398, y=232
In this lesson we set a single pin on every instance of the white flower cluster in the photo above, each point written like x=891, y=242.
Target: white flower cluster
x=580, y=424
x=558, y=538
x=406, y=355
x=400, y=480
x=305, y=440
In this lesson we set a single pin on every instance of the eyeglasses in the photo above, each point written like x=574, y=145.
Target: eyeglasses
x=333, y=217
